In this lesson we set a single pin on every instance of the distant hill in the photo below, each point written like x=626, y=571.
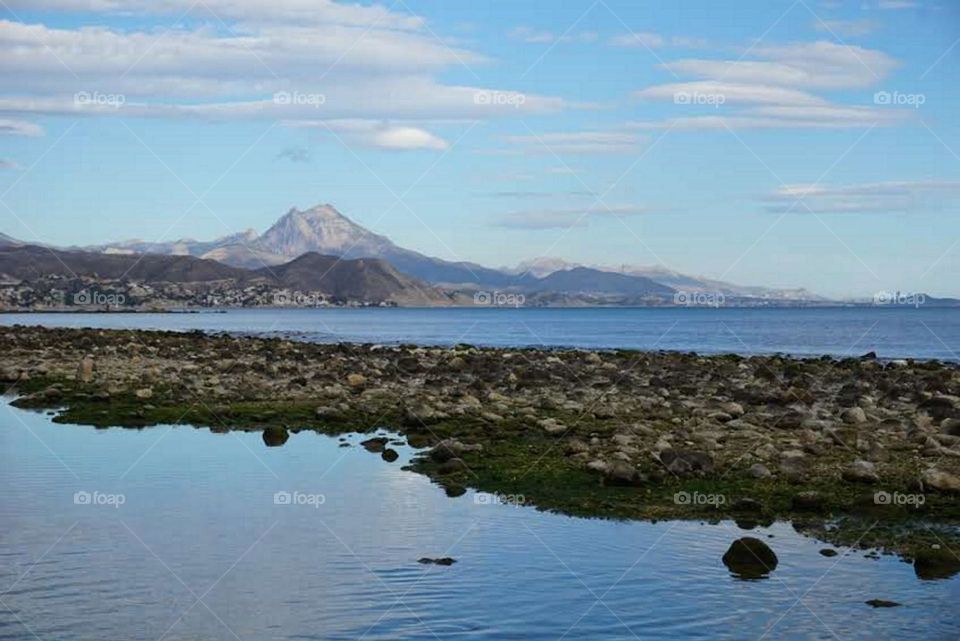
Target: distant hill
x=369, y=279
x=28, y=262
x=583, y=280
x=7, y=241
x=361, y=280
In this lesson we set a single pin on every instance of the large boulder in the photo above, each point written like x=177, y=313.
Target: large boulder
x=940, y=481
x=861, y=472
x=750, y=558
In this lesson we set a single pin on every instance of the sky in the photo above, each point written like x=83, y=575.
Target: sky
x=798, y=143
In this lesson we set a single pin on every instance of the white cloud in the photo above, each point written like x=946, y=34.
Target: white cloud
x=566, y=218
x=379, y=135
x=10, y=127
x=879, y=197
x=729, y=93
x=8, y=164
x=211, y=72
x=579, y=142
x=815, y=65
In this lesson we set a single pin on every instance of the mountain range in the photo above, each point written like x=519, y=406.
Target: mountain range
x=324, y=230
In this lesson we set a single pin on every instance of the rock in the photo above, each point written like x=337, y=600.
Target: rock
x=807, y=502
x=869, y=356
x=853, y=416
x=552, y=426
x=681, y=462
x=828, y=552
x=446, y=560
x=940, y=481
x=793, y=465
x=598, y=466
x=144, y=393
x=935, y=563
x=375, y=444
x=880, y=603
x=759, y=471
x=356, y=380
x=622, y=473
x=750, y=558
x=575, y=446
x=735, y=410
x=452, y=466
x=85, y=370
x=390, y=455
x=950, y=426
x=454, y=490
x=747, y=505
x=861, y=472
x=275, y=436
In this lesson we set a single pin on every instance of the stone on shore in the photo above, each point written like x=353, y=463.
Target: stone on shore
x=750, y=558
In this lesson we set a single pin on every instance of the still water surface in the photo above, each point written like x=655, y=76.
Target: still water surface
x=199, y=549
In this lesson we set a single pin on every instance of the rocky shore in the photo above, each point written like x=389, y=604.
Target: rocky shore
x=608, y=433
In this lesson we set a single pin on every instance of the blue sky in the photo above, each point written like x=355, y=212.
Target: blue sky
x=788, y=144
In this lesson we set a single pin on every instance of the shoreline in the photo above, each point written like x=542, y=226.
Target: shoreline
x=610, y=433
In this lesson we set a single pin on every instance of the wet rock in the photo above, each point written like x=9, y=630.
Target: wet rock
x=940, y=481
x=275, y=436
x=935, y=563
x=389, y=455
x=861, y=472
x=452, y=466
x=144, y=393
x=375, y=444
x=828, y=552
x=880, y=603
x=750, y=558
x=747, y=505
x=445, y=560
x=454, y=490
x=807, y=502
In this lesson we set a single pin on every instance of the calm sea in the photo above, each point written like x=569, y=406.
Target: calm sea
x=892, y=332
